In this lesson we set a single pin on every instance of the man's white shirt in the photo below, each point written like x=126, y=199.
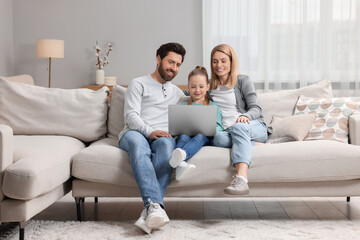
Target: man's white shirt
x=146, y=105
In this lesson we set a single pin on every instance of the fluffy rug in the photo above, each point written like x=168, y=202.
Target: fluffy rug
x=177, y=229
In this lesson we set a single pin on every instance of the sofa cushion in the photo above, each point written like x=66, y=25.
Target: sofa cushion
x=41, y=163
x=282, y=103
x=116, y=112
x=305, y=161
x=293, y=128
x=104, y=162
x=79, y=113
x=333, y=116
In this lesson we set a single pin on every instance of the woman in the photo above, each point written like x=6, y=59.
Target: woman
x=241, y=116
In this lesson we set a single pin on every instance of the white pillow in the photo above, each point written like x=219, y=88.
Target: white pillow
x=116, y=112
x=33, y=110
x=293, y=128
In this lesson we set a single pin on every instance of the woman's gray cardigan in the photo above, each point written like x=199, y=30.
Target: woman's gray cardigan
x=246, y=99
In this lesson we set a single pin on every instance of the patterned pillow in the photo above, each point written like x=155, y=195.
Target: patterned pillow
x=333, y=115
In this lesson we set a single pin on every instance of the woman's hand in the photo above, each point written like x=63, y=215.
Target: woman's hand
x=243, y=119
x=158, y=133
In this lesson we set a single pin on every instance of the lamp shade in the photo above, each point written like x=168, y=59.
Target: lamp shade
x=50, y=48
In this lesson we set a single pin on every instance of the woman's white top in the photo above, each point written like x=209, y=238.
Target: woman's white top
x=225, y=98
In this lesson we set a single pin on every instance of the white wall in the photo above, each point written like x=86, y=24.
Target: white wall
x=6, y=38
x=136, y=28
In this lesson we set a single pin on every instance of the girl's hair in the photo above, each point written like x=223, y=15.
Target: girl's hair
x=232, y=78
x=200, y=70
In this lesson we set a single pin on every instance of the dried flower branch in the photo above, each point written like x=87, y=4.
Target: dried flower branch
x=100, y=63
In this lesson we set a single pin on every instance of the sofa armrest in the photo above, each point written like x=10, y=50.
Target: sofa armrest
x=354, y=129
x=6, y=152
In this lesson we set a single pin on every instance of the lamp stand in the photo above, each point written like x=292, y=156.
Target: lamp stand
x=49, y=71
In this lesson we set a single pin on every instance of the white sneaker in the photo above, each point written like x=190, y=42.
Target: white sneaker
x=141, y=222
x=178, y=155
x=156, y=216
x=237, y=187
x=183, y=169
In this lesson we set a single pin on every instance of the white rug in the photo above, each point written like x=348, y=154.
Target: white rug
x=204, y=230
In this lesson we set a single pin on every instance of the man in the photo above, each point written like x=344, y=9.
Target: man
x=145, y=135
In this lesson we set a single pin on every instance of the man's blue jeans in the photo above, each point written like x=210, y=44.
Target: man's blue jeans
x=240, y=138
x=192, y=145
x=149, y=163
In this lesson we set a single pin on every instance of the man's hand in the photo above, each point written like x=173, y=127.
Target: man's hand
x=158, y=133
x=243, y=119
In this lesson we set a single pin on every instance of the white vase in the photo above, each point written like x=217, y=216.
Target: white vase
x=100, y=77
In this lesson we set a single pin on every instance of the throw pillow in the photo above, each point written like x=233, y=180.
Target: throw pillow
x=116, y=112
x=293, y=128
x=333, y=115
x=25, y=78
x=34, y=110
x=282, y=103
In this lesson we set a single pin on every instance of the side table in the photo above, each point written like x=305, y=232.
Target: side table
x=97, y=87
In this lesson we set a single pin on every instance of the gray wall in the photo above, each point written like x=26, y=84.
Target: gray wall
x=6, y=38
x=136, y=28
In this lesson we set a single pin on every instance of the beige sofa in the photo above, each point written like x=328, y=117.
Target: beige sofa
x=296, y=168
x=47, y=135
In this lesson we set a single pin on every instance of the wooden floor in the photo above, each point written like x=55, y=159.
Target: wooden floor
x=122, y=209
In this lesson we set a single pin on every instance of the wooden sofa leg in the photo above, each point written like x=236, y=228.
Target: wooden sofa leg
x=78, y=208
x=22, y=230
x=348, y=199
x=96, y=199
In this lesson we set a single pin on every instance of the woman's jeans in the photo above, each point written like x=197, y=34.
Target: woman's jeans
x=192, y=145
x=240, y=138
x=149, y=163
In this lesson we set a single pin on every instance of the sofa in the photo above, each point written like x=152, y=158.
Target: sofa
x=281, y=169
x=41, y=130
x=56, y=140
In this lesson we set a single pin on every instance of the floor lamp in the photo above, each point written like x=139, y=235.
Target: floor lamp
x=50, y=48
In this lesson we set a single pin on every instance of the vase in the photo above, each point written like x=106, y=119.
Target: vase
x=100, y=77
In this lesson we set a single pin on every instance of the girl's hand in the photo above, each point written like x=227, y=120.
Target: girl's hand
x=243, y=119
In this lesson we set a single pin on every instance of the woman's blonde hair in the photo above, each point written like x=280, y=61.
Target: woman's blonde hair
x=234, y=71
x=200, y=70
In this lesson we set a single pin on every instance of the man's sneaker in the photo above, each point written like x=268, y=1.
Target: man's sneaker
x=183, y=169
x=156, y=216
x=141, y=222
x=178, y=155
x=238, y=187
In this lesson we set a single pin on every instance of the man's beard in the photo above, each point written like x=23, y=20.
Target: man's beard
x=163, y=73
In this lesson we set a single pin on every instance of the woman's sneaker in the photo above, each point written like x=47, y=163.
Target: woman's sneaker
x=156, y=216
x=238, y=186
x=183, y=169
x=177, y=156
x=141, y=222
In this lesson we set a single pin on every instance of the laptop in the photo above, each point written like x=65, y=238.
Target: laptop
x=192, y=120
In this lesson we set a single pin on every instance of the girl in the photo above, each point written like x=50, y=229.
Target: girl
x=241, y=115
x=186, y=146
